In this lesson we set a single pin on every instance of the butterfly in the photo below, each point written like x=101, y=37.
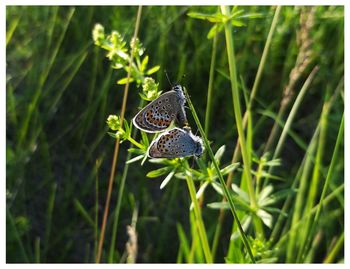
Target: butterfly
x=176, y=143
x=161, y=112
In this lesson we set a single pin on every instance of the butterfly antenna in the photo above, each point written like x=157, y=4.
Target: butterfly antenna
x=166, y=74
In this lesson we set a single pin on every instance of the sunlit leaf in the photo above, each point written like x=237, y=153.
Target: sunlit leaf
x=229, y=168
x=135, y=159
x=200, y=192
x=144, y=63
x=153, y=70
x=265, y=192
x=167, y=179
x=125, y=80
x=238, y=23
x=219, y=153
x=215, y=29
x=241, y=193
x=158, y=172
x=265, y=217
x=217, y=17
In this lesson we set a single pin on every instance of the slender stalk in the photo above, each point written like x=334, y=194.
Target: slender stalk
x=316, y=177
x=221, y=179
x=117, y=143
x=49, y=215
x=325, y=187
x=236, y=153
x=309, y=153
x=237, y=107
x=137, y=144
x=238, y=116
x=293, y=112
x=313, y=211
x=340, y=243
x=42, y=79
x=210, y=86
x=199, y=220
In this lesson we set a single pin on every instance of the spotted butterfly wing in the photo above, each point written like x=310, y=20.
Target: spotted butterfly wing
x=176, y=143
x=161, y=112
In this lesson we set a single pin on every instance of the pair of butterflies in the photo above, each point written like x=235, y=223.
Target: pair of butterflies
x=158, y=115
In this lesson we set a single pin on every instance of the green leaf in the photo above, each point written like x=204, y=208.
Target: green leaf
x=145, y=140
x=217, y=17
x=112, y=134
x=200, y=192
x=231, y=167
x=251, y=16
x=238, y=23
x=240, y=193
x=219, y=205
x=124, y=81
x=265, y=217
x=167, y=179
x=217, y=187
x=217, y=28
x=277, y=196
x=135, y=159
x=79, y=207
x=245, y=225
x=183, y=241
x=275, y=210
x=153, y=70
x=144, y=63
x=265, y=192
x=219, y=153
x=136, y=151
x=158, y=172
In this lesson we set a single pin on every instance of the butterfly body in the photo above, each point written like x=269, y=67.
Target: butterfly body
x=176, y=143
x=161, y=112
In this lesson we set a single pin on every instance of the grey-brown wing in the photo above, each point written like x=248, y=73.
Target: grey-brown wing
x=175, y=143
x=158, y=115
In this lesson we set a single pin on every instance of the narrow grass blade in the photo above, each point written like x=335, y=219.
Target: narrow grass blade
x=221, y=179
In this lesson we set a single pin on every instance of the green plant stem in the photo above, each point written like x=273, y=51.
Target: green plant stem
x=221, y=179
x=199, y=220
x=309, y=153
x=262, y=61
x=49, y=215
x=331, y=256
x=291, y=117
x=316, y=178
x=325, y=201
x=325, y=187
x=42, y=79
x=137, y=144
x=293, y=112
x=117, y=143
x=236, y=153
x=210, y=87
x=238, y=116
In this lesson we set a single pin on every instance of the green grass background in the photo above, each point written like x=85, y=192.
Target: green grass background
x=60, y=89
